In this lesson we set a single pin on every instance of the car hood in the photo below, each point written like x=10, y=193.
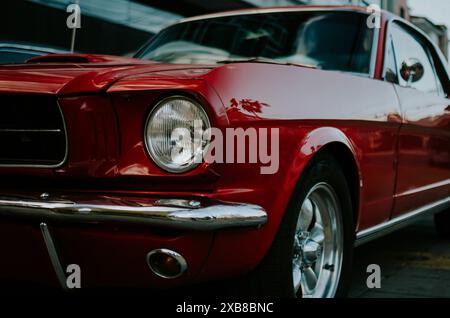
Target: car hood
x=74, y=74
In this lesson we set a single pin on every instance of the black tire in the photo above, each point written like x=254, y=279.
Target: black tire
x=273, y=277
x=442, y=224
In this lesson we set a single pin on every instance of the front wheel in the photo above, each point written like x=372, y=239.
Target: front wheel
x=318, y=244
x=311, y=256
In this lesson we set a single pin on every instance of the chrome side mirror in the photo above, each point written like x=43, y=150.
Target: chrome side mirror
x=412, y=71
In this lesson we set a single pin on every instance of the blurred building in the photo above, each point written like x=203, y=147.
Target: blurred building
x=122, y=26
x=398, y=7
x=437, y=33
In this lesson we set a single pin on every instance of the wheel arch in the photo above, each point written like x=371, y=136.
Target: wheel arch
x=334, y=141
x=349, y=166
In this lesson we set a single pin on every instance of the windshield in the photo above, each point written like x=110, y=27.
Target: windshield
x=332, y=40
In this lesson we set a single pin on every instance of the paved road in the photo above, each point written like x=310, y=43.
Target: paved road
x=414, y=263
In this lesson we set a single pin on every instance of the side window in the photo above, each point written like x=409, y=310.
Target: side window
x=408, y=48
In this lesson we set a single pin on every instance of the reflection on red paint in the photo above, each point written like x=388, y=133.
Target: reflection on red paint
x=245, y=108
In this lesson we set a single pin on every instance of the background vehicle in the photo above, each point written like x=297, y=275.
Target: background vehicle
x=361, y=115
x=19, y=52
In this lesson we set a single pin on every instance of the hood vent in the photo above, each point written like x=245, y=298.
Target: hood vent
x=60, y=58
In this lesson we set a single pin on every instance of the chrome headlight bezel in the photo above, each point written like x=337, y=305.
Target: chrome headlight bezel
x=175, y=169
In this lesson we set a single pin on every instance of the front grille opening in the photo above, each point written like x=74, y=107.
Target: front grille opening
x=32, y=131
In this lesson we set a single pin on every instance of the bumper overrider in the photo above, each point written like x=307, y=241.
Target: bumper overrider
x=65, y=213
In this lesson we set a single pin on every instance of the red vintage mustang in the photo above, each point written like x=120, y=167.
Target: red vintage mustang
x=266, y=143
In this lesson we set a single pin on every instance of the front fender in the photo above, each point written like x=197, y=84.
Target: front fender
x=238, y=251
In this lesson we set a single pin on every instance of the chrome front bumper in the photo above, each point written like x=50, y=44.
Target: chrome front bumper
x=188, y=214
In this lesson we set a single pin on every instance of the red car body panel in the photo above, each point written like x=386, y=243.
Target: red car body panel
x=425, y=135
x=68, y=78
x=106, y=101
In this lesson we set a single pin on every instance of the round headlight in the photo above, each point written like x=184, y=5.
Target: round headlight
x=174, y=134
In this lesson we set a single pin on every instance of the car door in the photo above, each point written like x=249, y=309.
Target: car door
x=423, y=164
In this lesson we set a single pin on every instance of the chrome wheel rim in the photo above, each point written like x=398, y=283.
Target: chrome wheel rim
x=318, y=244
